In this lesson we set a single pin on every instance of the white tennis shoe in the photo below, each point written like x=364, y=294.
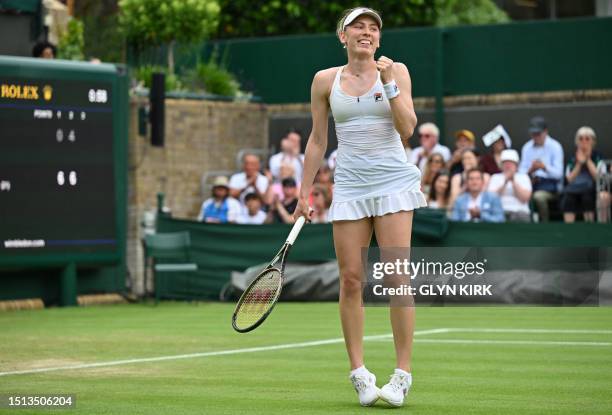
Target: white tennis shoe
x=365, y=385
x=396, y=390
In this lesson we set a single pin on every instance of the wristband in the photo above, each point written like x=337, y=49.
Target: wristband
x=391, y=90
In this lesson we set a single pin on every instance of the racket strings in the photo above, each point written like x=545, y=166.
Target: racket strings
x=259, y=299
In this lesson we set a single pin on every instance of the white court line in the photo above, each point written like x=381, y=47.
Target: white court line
x=206, y=354
x=552, y=331
x=507, y=342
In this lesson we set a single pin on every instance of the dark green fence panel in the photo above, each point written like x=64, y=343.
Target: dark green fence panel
x=220, y=249
x=542, y=56
x=517, y=57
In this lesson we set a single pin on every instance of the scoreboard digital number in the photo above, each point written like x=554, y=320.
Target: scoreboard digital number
x=57, y=176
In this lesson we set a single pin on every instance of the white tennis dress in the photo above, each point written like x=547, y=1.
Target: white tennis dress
x=373, y=176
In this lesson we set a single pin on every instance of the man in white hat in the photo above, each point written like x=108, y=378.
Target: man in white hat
x=221, y=207
x=513, y=188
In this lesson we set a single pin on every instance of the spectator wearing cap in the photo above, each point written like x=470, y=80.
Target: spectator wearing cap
x=282, y=211
x=496, y=140
x=581, y=172
x=542, y=160
x=249, y=180
x=513, y=188
x=290, y=154
x=44, y=50
x=475, y=204
x=221, y=207
x=429, y=134
x=252, y=215
x=464, y=139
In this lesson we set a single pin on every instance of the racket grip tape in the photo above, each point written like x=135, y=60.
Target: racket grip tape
x=297, y=227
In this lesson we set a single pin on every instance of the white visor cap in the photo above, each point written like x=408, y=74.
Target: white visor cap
x=358, y=12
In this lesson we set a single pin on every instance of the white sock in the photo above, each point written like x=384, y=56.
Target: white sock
x=361, y=371
x=399, y=371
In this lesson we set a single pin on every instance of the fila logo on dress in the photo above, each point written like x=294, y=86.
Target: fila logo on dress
x=378, y=96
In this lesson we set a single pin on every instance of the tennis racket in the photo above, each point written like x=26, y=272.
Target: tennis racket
x=260, y=297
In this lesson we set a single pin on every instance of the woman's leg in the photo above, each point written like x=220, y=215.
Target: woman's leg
x=394, y=231
x=350, y=237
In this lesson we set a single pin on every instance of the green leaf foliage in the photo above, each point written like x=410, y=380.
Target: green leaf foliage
x=157, y=22
x=144, y=75
x=244, y=18
x=71, y=41
x=469, y=12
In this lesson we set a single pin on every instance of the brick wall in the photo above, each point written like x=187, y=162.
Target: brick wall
x=200, y=136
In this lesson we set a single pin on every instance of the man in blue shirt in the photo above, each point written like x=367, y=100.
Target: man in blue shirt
x=542, y=160
x=476, y=205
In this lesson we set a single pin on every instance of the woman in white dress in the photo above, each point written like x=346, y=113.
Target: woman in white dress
x=376, y=189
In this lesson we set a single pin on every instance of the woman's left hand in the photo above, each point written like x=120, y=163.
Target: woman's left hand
x=385, y=66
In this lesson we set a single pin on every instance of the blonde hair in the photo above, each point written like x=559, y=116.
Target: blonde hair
x=585, y=130
x=340, y=24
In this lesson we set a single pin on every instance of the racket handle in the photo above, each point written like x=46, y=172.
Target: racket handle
x=297, y=227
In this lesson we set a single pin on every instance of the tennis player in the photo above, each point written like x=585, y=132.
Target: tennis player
x=376, y=188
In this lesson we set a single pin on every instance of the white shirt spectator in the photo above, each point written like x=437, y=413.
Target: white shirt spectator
x=279, y=158
x=246, y=219
x=510, y=203
x=239, y=181
x=417, y=152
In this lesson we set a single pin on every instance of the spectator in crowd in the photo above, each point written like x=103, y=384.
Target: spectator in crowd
x=429, y=135
x=513, y=188
x=331, y=161
x=221, y=207
x=475, y=204
x=250, y=180
x=325, y=178
x=496, y=140
x=252, y=215
x=282, y=212
x=542, y=160
x=434, y=164
x=464, y=139
x=469, y=160
x=321, y=201
x=44, y=50
x=603, y=208
x=407, y=148
x=275, y=190
x=439, y=194
x=290, y=154
x=581, y=173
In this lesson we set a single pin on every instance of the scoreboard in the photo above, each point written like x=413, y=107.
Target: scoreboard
x=62, y=156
